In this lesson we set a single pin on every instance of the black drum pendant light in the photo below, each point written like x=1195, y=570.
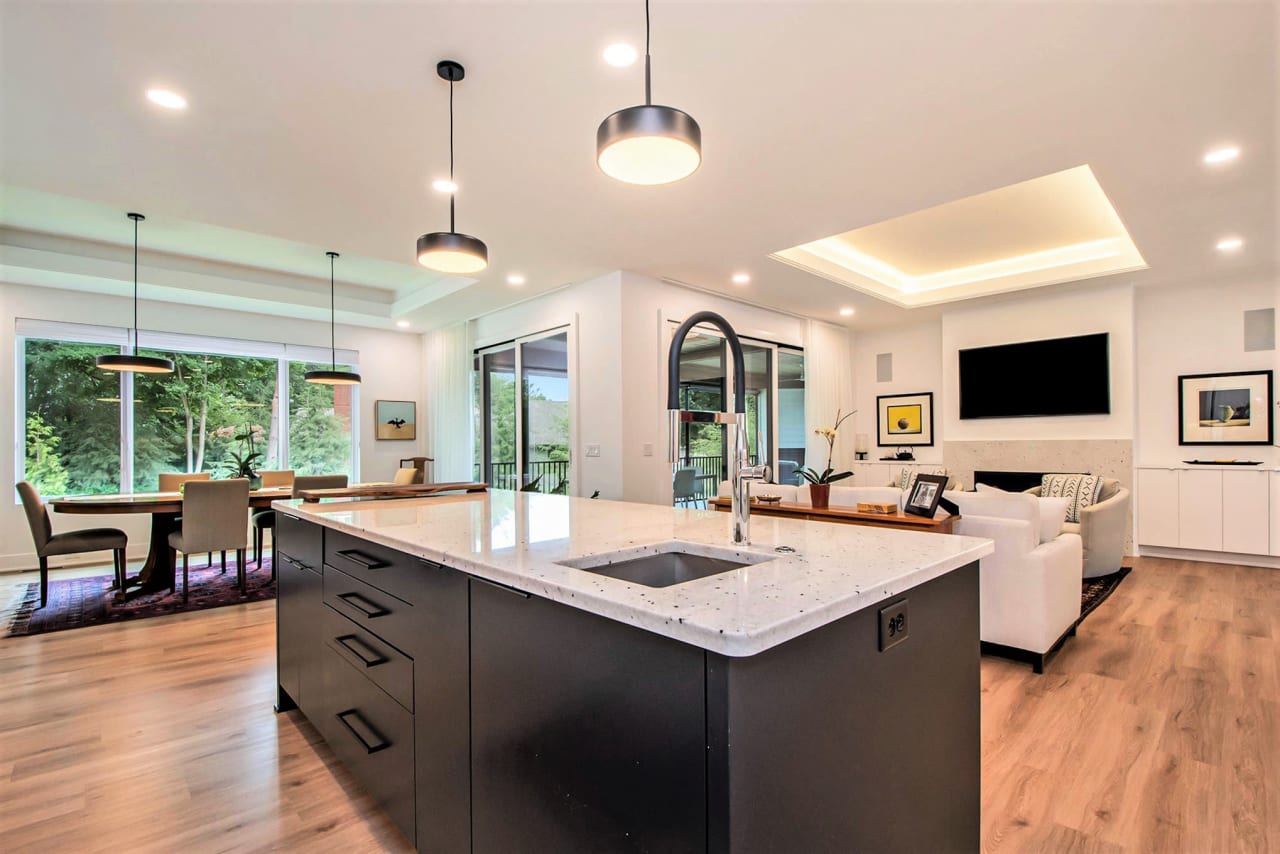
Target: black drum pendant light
x=333, y=376
x=132, y=362
x=649, y=144
x=449, y=251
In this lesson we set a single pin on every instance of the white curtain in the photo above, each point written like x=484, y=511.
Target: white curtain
x=828, y=386
x=448, y=402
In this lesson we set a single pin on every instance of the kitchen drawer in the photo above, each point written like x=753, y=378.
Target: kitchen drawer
x=384, y=665
x=386, y=569
x=281, y=557
x=304, y=541
x=373, y=737
x=374, y=610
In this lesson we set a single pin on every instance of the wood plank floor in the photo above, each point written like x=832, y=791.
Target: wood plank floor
x=1156, y=729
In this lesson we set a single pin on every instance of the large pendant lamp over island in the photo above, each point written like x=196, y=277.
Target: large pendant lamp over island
x=132, y=362
x=649, y=144
x=333, y=376
x=449, y=251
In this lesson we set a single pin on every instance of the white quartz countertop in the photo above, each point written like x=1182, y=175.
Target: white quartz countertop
x=519, y=539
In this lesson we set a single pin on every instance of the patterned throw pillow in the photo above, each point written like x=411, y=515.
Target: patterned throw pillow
x=907, y=477
x=1081, y=489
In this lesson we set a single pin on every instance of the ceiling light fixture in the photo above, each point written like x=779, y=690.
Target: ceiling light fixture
x=443, y=185
x=620, y=55
x=131, y=362
x=741, y=278
x=1229, y=244
x=649, y=144
x=333, y=376
x=1225, y=154
x=846, y=312
x=449, y=251
x=165, y=98
x=515, y=279
x=403, y=324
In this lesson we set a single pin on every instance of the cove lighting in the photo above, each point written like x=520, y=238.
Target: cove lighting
x=620, y=55
x=1225, y=154
x=167, y=99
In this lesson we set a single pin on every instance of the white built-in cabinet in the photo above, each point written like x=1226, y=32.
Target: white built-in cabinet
x=878, y=473
x=1210, y=509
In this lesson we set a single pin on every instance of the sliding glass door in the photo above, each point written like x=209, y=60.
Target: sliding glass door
x=524, y=442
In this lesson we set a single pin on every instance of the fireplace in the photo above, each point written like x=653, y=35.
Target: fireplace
x=1009, y=481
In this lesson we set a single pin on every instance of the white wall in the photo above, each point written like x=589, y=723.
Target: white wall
x=390, y=364
x=1196, y=330
x=917, y=367
x=1109, y=310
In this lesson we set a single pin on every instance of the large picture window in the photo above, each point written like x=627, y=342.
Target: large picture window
x=89, y=431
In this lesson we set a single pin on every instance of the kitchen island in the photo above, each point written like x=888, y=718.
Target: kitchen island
x=519, y=672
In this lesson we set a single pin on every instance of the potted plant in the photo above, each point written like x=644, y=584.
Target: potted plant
x=820, y=484
x=242, y=464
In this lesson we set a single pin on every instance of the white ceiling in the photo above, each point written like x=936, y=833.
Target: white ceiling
x=317, y=126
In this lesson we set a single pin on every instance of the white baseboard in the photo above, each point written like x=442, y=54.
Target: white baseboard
x=1266, y=561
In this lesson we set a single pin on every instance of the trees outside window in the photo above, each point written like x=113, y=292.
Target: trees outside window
x=319, y=424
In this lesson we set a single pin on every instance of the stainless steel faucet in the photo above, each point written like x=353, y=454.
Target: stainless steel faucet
x=740, y=474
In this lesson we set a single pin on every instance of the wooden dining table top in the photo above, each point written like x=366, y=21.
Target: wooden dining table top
x=151, y=502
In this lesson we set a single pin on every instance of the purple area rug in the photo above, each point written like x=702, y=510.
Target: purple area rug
x=75, y=603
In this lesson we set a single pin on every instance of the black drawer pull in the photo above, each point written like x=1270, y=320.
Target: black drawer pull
x=502, y=586
x=361, y=650
x=362, y=559
x=363, y=605
x=379, y=743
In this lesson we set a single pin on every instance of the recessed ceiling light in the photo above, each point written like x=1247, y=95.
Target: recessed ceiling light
x=515, y=279
x=167, y=99
x=620, y=55
x=1225, y=154
x=403, y=324
x=846, y=312
x=741, y=278
x=1229, y=244
x=444, y=185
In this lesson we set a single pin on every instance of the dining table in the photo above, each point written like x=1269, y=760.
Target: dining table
x=165, y=509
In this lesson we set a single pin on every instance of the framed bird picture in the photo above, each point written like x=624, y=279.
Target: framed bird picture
x=396, y=419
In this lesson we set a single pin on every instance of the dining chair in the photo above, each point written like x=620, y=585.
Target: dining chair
x=318, y=481
x=684, y=485
x=48, y=544
x=264, y=519
x=405, y=477
x=172, y=482
x=213, y=519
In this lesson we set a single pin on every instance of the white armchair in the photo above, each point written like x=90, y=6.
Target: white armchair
x=1030, y=590
x=1103, y=529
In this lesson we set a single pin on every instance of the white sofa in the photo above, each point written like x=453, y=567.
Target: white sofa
x=1030, y=590
x=841, y=496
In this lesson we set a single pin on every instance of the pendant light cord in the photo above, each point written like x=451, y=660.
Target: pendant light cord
x=453, y=195
x=333, y=347
x=135, y=286
x=648, y=84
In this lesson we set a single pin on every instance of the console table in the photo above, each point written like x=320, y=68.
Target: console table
x=846, y=515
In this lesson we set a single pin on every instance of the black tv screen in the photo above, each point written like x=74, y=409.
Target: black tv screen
x=1058, y=376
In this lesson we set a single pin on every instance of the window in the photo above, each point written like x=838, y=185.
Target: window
x=89, y=431
x=792, y=436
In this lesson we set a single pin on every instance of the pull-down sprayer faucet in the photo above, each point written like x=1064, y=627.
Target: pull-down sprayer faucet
x=739, y=472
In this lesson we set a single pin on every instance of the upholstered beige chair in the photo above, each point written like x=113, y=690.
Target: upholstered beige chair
x=214, y=515
x=264, y=519
x=170, y=481
x=405, y=477
x=318, y=481
x=1103, y=528
x=48, y=544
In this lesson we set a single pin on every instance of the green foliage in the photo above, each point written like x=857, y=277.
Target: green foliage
x=319, y=437
x=827, y=476
x=44, y=467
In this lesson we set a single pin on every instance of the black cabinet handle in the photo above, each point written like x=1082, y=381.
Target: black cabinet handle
x=368, y=656
x=378, y=742
x=501, y=586
x=363, y=605
x=358, y=557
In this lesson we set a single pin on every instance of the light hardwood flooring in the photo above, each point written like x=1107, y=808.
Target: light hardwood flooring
x=1156, y=729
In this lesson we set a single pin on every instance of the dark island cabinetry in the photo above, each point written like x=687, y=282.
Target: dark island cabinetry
x=485, y=719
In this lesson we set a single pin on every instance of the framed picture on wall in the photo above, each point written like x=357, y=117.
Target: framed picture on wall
x=396, y=419
x=1225, y=409
x=904, y=419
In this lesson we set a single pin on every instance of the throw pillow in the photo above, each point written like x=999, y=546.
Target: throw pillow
x=1081, y=489
x=907, y=477
x=1053, y=513
x=986, y=487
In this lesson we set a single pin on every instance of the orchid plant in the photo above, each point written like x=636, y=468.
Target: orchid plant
x=828, y=475
x=242, y=464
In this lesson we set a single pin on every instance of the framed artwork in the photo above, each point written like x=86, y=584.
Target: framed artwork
x=396, y=419
x=904, y=419
x=926, y=492
x=1225, y=409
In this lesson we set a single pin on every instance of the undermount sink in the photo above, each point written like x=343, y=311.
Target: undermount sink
x=671, y=564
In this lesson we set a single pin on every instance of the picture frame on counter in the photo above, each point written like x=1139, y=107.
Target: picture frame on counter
x=395, y=419
x=904, y=420
x=925, y=494
x=1233, y=408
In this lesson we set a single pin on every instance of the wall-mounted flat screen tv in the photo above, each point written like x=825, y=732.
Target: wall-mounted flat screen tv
x=1058, y=376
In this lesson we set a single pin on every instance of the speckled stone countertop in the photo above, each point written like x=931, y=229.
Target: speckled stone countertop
x=520, y=539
